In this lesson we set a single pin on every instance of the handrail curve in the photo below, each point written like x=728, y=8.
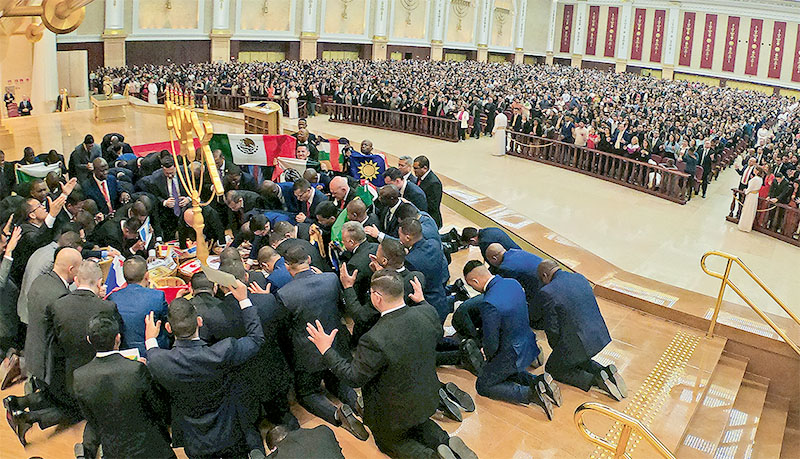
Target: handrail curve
x=630, y=425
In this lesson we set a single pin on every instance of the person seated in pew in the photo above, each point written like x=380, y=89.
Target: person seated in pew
x=508, y=343
x=521, y=266
x=575, y=331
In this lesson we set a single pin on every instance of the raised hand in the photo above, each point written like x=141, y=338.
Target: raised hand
x=66, y=188
x=348, y=280
x=151, y=327
x=13, y=240
x=317, y=335
x=417, y=296
x=255, y=288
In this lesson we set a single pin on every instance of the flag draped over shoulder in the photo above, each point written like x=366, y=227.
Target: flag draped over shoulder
x=330, y=153
x=336, y=229
x=253, y=149
x=368, y=167
x=367, y=192
x=29, y=172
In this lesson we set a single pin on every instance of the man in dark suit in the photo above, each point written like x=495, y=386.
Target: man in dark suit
x=395, y=365
x=284, y=237
x=780, y=192
x=304, y=200
x=341, y=192
x=521, y=266
x=485, y=236
x=25, y=107
x=136, y=301
x=235, y=179
x=357, y=256
x=706, y=157
x=119, y=398
x=431, y=185
x=357, y=211
x=508, y=343
x=213, y=229
x=426, y=256
x=240, y=203
x=319, y=443
x=102, y=188
x=123, y=236
x=207, y=417
x=81, y=156
x=575, y=331
x=388, y=203
x=309, y=297
x=274, y=266
x=172, y=196
x=408, y=190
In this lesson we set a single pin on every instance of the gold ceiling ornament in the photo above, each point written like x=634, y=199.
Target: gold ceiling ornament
x=500, y=16
x=460, y=8
x=344, y=7
x=183, y=122
x=59, y=16
x=409, y=6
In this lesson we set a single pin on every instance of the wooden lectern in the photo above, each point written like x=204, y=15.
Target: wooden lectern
x=262, y=118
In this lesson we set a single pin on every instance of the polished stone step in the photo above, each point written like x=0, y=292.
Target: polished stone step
x=739, y=435
x=771, y=427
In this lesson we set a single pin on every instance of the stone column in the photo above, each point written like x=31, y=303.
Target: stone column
x=519, y=37
x=309, y=34
x=220, y=31
x=672, y=31
x=483, y=31
x=579, y=40
x=114, y=34
x=624, y=45
x=437, y=35
x=379, y=37
x=551, y=33
x=44, y=75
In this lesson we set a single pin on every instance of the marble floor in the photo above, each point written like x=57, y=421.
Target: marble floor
x=645, y=235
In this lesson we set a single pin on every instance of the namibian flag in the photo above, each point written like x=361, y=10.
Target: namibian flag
x=330, y=154
x=29, y=172
x=368, y=167
x=253, y=149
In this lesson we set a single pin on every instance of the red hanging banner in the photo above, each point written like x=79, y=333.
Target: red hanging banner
x=658, y=35
x=776, y=55
x=731, y=39
x=686, y=39
x=796, y=67
x=591, y=36
x=638, y=33
x=709, y=33
x=754, y=46
x=611, y=31
x=566, y=29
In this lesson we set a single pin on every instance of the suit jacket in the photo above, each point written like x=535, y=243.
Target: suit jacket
x=521, y=266
x=206, y=416
x=295, y=206
x=781, y=191
x=213, y=229
x=157, y=185
x=488, y=236
x=251, y=201
x=360, y=261
x=387, y=221
x=109, y=233
x=31, y=240
x=416, y=196
x=79, y=160
x=134, y=303
x=92, y=190
x=574, y=326
x=395, y=365
x=351, y=194
x=124, y=406
x=432, y=187
x=427, y=257
x=316, y=259
x=70, y=317
x=507, y=337
x=319, y=443
x=309, y=297
x=45, y=290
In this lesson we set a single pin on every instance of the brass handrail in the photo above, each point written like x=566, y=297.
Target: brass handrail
x=629, y=425
x=726, y=281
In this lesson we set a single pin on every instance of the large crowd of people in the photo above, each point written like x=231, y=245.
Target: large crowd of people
x=296, y=320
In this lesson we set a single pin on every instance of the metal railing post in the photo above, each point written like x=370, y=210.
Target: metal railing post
x=719, y=298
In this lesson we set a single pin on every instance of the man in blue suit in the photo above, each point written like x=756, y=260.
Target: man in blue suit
x=304, y=200
x=575, y=331
x=271, y=262
x=135, y=302
x=508, y=343
x=409, y=191
x=521, y=266
x=426, y=256
x=207, y=417
x=102, y=188
x=486, y=236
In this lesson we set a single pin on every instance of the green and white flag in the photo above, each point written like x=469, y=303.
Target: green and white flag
x=29, y=172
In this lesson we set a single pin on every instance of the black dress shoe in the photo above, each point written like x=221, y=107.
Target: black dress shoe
x=458, y=446
x=551, y=389
x=538, y=397
x=616, y=378
x=458, y=289
x=11, y=404
x=256, y=454
x=603, y=383
x=448, y=408
x=454, y=236
x=19, y=424
x=460, y=397
x=348, y=420
x=471, y=357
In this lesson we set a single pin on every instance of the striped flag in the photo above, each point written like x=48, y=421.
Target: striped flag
x=287, y=167
x=330, y=153
x=253, y=149
x=29, y=172
x=115, y=280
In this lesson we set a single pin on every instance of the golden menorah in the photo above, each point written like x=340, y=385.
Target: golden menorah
x=183, y=122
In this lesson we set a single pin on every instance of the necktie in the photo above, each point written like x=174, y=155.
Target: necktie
x=308, y=208
x=176, y=207
x=746, y=175
x=419, y=181
x=104, y=188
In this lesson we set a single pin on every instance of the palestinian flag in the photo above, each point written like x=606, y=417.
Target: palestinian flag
x=253, y=149
x=330, y=154
x=336, y=229
x=288, y=169
x=29, y=172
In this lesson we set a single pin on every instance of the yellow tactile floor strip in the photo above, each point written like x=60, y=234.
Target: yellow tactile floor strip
x=655, y=390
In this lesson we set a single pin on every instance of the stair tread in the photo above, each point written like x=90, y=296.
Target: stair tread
x=705, y=429
x=740, y=432
x=771, y=427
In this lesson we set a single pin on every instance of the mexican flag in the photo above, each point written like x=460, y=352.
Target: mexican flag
x=293, y=164
x=29, y=172
x=253, y=149
x=330, y=153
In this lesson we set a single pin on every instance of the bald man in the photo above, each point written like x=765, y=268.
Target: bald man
x=521, y=266
x=341, y=192
x=575, y=331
